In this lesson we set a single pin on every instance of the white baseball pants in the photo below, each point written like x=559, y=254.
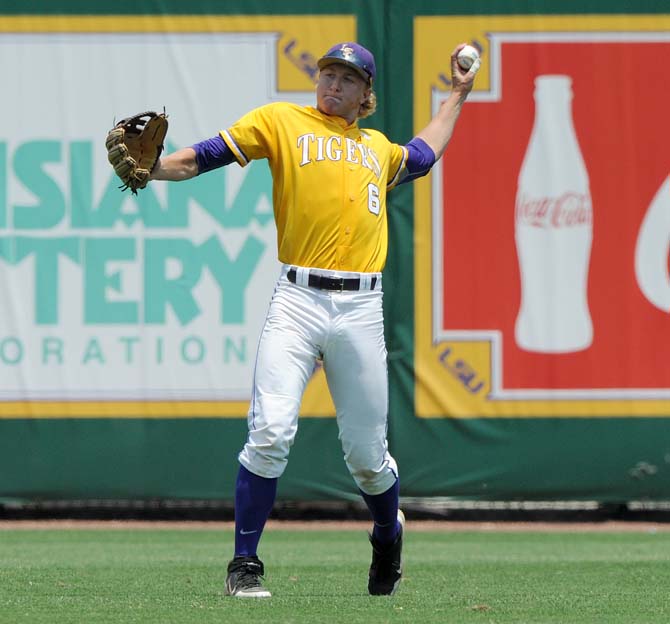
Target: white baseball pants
x=346, y=330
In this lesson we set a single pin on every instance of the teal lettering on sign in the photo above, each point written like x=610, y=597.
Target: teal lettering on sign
x=99, y=252
x=93, y=352
x=256, y=189
x=234, y=350
x=122, y=240
x=129, y=343
x=11, y=351
x=46, y=252
x=232, y=276
x=193, y=350
x=162, y=291
x=52, y=350
x=29, y=160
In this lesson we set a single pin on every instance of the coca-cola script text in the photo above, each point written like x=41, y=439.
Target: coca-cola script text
x=567, y=210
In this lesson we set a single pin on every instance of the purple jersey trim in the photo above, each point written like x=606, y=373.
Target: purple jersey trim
x=212, y=154
x=420, y=160
x=232, y=144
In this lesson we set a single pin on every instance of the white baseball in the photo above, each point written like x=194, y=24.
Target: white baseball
x=467, y=56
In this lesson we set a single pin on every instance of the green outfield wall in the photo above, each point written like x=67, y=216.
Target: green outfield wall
x=527, y=289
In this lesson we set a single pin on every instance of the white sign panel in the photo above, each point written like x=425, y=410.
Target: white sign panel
x=108, y=296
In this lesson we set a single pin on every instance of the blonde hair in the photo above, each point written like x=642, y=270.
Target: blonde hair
x=369, y=106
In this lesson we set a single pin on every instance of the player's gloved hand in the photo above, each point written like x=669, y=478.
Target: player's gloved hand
x=134, y=146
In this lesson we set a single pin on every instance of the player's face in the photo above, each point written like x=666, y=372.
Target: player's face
x=340, y=91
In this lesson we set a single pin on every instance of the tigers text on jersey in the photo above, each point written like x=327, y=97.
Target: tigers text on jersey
x=330, y=183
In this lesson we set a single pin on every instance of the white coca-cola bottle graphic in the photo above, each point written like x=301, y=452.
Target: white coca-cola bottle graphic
x=553, y=228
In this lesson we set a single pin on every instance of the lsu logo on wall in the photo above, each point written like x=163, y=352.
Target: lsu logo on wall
x=549, y=266
x=116, y=302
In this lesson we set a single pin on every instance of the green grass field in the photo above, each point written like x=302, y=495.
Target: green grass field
x=79, y=576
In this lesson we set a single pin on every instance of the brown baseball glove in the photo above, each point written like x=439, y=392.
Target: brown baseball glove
x=134, y=146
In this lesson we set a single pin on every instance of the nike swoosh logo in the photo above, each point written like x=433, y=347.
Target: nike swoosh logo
x=243, y=532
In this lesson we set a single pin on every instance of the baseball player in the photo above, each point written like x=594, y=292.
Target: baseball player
x=330, y=180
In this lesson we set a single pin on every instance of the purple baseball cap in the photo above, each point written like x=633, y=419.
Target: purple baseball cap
x=354, y=55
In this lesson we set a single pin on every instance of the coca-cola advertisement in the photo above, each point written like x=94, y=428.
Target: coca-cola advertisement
x=549, y=254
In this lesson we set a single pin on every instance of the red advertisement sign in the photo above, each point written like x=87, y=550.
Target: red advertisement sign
x=554, y=224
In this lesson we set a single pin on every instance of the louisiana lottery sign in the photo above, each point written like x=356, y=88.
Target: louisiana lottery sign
x=115, y=300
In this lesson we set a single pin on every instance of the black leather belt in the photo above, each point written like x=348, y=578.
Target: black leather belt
x=324, y=282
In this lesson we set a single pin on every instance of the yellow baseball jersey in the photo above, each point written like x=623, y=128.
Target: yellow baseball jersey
x=329, y=184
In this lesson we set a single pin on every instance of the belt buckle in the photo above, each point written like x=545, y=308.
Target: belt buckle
x=335, y=283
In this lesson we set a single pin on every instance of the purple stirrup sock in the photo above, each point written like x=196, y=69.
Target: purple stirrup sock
x=384, y=510
x=254, y=497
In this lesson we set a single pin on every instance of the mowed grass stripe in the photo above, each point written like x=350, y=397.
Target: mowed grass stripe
x=176, y=576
